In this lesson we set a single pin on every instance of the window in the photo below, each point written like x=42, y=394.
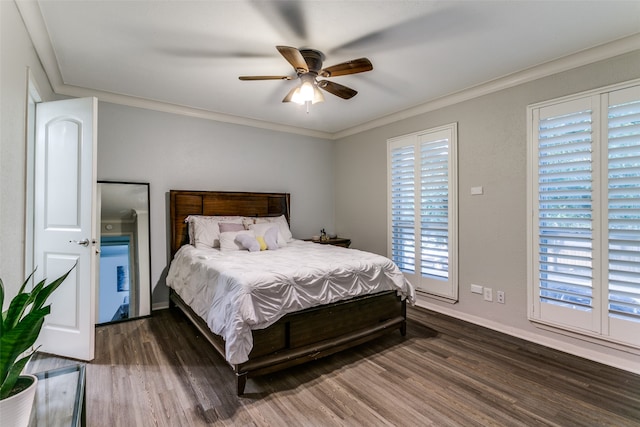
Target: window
x=423, y=209
x=584, y=187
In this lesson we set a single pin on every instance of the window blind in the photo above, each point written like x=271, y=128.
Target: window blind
x=585, y=218
x=564, y=210
x=403, y=243
x=624, y=210
x=422, y=237
x=434, y=208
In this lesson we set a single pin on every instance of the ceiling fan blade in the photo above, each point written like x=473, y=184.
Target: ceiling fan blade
x=359, y=65
x=337, y=89
x=265, y=78
x=289, y=96
x=294, y=57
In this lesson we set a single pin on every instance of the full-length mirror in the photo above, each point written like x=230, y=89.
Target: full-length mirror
x=125, y=262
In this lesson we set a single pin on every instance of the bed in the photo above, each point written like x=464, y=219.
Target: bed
x=260, y=336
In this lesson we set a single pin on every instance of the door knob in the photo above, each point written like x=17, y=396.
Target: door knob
x=84, y=242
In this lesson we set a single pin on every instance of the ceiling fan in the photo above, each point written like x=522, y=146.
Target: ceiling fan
x=308, y=66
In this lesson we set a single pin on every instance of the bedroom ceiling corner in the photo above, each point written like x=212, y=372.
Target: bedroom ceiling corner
x=186, y=57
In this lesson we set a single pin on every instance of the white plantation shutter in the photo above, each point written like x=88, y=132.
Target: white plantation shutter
x=423, y=209
x=585, y=222
x=623, y=196
x=434, y=209
x=564, y=211
x=403, y=242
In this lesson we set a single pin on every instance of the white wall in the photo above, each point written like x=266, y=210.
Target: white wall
x=16, y=55
x=174, y=152
x=492, y=231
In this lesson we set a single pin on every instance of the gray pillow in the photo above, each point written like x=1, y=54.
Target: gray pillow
x=248, y=241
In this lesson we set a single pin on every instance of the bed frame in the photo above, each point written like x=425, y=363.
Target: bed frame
x=297, y=337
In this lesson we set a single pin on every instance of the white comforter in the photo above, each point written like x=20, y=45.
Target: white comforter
x=235, y=292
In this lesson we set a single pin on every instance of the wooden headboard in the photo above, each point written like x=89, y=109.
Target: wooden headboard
x=212, y=203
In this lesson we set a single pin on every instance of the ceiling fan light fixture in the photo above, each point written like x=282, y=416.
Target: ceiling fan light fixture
x=317, y=95
x=307, y=92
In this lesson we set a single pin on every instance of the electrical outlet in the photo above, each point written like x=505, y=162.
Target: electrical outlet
x=488, y=294
x=500, y=297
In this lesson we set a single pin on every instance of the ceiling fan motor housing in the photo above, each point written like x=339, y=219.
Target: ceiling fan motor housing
x=314, y=59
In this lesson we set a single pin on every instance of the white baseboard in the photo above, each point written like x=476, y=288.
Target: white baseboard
x=556, y=344
x=160, y=306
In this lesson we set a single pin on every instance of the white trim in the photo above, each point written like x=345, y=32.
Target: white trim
x=36, y=27
x=588, y=56
x=32, y=98
x=160, y=306
x=556, y=344
x=151, y=104
x=440, y=289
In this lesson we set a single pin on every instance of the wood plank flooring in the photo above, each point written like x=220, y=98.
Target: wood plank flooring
x=160, y=372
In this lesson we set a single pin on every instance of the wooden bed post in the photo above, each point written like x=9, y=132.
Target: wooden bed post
x=242, y=382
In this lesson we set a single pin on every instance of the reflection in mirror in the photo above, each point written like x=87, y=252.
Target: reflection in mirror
x=125, y=276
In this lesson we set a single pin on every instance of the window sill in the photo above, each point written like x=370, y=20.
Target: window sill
x=585, y=336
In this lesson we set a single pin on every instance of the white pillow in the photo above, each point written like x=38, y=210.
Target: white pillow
x=228, y=240
x=204, y=232
x=283, y=225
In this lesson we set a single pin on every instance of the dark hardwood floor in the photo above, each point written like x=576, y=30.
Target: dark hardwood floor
x=159, y=371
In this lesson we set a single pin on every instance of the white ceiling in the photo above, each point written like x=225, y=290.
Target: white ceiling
x=187, y=55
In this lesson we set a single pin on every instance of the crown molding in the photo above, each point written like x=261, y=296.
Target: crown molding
x=585, y=57
x=36, y=27
x=165, y=107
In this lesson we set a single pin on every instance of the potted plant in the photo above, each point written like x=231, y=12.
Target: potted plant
x=20, y=326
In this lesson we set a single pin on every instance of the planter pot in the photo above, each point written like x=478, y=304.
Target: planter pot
x=16, y=409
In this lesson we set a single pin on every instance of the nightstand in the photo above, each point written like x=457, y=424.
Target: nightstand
x=336, y=241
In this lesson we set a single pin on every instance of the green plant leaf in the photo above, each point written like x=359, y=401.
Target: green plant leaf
x=19, y=339
x=41, y=296
x=20, y=327
x=16, y=310
x=1, y=305
x=12, y=377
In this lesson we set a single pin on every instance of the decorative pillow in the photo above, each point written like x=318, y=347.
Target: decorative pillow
x=230, y=226
x=248, y=241
x=249, y=221
x=271, y=238
x=269, y=233
x=204, y=231
x=229, y=243
x=261, y=243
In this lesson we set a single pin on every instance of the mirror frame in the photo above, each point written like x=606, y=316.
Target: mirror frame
x=150, y=290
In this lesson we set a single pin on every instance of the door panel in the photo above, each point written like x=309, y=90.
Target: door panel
x=65, y=222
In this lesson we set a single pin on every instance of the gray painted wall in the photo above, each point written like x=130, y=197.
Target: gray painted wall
x=174, y=152
x=17, y=54
x=492, y=227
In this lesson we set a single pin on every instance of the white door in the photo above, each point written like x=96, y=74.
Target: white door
x=65, y=222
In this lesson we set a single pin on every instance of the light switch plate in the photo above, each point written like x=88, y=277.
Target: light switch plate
x=476, y=191
x=476, y=289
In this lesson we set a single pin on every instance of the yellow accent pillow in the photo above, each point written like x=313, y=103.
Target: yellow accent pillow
x=262, y=243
